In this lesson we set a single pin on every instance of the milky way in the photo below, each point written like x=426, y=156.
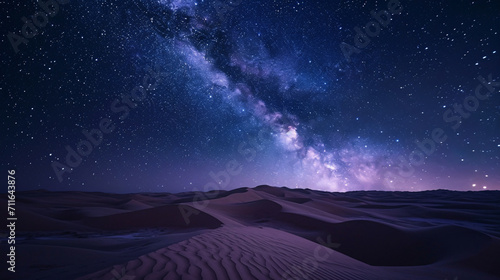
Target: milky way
x=286, y=93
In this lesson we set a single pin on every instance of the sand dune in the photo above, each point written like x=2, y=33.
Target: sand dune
x=245, y=253
x=258, y=233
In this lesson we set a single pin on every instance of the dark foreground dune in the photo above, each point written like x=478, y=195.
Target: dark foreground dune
x=260, y=233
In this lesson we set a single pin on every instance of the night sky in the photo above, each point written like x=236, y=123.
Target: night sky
x=182, y=95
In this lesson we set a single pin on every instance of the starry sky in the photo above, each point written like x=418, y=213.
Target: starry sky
x=183, y=95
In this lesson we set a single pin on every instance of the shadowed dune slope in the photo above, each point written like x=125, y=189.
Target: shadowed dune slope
x=168, y=216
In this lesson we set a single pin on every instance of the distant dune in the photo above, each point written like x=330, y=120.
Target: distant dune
x=257, y=233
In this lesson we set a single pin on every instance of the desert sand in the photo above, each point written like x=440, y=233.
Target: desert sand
x=257, y=233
